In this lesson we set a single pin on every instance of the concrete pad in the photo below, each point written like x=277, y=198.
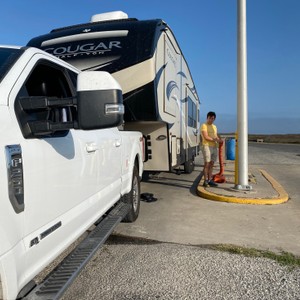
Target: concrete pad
x=181, y=216
x=265, y=190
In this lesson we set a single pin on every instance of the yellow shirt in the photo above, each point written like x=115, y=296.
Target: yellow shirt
x=211, y=131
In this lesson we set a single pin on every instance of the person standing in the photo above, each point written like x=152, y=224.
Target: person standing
x=209, y=145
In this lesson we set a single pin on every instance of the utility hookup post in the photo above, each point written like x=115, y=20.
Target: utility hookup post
x=242, y=117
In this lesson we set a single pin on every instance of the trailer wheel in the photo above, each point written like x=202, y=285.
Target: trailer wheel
x=189, y=166
x=133, y=197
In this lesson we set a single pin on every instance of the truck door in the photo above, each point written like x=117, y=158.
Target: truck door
x=62, y=183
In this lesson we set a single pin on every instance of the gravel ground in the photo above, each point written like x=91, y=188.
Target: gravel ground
x=127, y=268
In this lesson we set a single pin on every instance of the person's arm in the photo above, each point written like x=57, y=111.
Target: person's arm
x=218, y=138
x=208, y=138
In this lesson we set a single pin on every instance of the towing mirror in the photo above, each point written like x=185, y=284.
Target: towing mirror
x=99, y=100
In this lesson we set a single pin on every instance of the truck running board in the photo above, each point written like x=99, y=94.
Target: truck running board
x=64, y=274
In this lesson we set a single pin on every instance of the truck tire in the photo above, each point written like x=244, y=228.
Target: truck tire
x=133, y=197
x=189, y=166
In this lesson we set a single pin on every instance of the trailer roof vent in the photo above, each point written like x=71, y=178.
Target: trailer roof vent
x=114, y=15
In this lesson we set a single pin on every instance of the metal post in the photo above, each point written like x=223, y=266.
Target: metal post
x=236, y=163
x=242, y=117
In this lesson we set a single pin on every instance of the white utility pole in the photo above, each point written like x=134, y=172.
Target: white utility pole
x=242, y=98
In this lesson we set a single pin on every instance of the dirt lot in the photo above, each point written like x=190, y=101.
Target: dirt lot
x=271, y=138
x=276, y=138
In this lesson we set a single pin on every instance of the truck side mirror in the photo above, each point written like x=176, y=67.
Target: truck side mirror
x=99, y=101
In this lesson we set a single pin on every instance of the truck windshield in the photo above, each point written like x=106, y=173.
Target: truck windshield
x=8, y=56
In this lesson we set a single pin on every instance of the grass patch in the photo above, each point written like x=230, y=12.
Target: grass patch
x=283, y=258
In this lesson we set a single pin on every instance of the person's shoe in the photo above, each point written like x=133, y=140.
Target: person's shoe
x=205, y=183
x=212, y=183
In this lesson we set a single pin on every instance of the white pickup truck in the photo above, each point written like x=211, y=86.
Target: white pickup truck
x=65, y=167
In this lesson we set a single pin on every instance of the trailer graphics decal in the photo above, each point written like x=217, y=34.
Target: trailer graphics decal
x=170, y=87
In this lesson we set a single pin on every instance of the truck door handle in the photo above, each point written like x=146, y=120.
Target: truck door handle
x=91, y=147
x=117, y=143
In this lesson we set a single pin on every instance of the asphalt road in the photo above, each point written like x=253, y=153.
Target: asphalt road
x=175, y=262
x=283, y=162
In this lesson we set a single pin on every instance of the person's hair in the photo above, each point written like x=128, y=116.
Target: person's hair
x=211, y=114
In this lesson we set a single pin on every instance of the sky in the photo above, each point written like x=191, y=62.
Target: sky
x=206, y=31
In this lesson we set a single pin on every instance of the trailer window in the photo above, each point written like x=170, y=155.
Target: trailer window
x=192, y=113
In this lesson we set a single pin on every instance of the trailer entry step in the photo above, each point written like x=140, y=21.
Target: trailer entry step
x=64, y=274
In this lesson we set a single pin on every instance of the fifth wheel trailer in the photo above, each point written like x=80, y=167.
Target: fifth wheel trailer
x=159, y=94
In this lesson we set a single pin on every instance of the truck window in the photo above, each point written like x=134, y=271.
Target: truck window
x=7, y=59
x=49, y=81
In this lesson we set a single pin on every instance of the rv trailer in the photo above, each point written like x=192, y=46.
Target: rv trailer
x=159, y=94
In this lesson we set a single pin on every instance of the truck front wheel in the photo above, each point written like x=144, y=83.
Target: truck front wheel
x=133, y=198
